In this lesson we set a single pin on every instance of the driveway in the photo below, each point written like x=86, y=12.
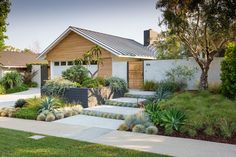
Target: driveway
x=9, y=100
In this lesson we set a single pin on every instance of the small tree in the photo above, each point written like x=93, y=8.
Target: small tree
x=90, y=57
x=76, y=73
x=228, y=68
x=203, y=26
x=12, y=79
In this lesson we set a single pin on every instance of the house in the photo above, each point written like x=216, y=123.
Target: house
x=121, y=57
x=10, y=61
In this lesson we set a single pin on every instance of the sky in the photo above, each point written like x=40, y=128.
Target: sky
x=35, y=24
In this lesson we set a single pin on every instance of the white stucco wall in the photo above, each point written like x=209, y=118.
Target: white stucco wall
x=119, y=69
x=156, y=70
x=37, y=77
x=56, y=71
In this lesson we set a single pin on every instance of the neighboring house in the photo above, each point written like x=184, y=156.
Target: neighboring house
x=10, y=61
x=121, y=57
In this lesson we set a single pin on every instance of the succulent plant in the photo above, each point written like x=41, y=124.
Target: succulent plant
x=41, y=117
x=50, y=117
x=123, y=127
x=151, y=130
x=138, y=128
x=20, y=103
x=59, y=115
x=67, y=113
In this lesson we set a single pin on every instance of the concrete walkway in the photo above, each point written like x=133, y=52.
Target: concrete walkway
x=9, y=100
x=150, y=143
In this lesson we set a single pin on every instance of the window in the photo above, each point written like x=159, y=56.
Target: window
x=63, y=63
x=56, y=63
x=70, y=63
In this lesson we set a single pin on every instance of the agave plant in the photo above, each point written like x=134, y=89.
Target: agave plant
x=161, y=94
x=50, y=104
x=172, y=119
x=154, y=112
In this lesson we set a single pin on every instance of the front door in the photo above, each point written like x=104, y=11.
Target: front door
x=135, y=74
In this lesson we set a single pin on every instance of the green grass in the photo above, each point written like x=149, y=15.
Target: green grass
x=212, y=114
x=17, y=144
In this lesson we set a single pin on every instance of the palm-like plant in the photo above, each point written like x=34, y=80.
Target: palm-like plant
x=48, y=104
x=12, y=79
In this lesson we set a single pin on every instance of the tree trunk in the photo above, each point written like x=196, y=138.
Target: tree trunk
x=204, y=77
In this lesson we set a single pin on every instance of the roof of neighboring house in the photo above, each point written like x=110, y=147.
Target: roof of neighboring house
x=121, y=47
x=17, y=59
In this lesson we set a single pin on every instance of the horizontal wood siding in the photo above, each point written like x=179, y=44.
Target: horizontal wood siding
x=73, y=46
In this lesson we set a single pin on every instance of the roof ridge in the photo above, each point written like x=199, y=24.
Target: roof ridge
x=101, y=33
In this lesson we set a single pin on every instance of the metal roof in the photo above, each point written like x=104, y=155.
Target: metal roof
x=121, y=47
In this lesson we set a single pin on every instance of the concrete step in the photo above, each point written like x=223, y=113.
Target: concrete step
x=125, y=111
x=91, y=121
x=125, y=102
x=140, y=94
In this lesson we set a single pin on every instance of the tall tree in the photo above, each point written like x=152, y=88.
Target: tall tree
x=5, y=9
x=204, y=26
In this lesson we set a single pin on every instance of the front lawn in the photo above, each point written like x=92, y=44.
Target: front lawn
x=17, y=144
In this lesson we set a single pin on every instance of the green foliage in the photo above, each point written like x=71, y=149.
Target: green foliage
x=48, y=104
x=162, y=93
x=170, y=47
x=12, y=79
x=154, y=112
x=33, y=84
x=180, y=74
x=117, y=85
x=172, y=119
x=27, y=112
x=204, y=111
x=2, y=89
x=56, y=87
x=93, y=82
x=17, y=89
x=149, y=86
x=228, y=69
x=20, y=103
x=167, y=85
x=76, y=73
x=5, y=9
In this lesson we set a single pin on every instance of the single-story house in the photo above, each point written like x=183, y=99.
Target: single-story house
x=10, y=61
x=121, y=57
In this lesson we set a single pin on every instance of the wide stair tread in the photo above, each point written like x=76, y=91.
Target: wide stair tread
x=126, y=102
x=139, y=94
x=92, y=121
x=125, y=111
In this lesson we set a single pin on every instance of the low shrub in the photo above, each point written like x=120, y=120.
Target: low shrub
x=211, y=113
x=214, y=88
x=56, y=87
x=228, y=72
x=76, y=73
x=151, y=130
x=33, y=84
x=17, y=89
x=123, y=127
x=27, y=112
x=12, y=79
x=149, y=86
x=138, y=128
x=170, y=86
x=117, y=85
x=91, y=83
x=20, y=103
x=2, y=89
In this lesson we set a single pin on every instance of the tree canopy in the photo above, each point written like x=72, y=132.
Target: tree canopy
x=204, y=26
x=5, y=9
